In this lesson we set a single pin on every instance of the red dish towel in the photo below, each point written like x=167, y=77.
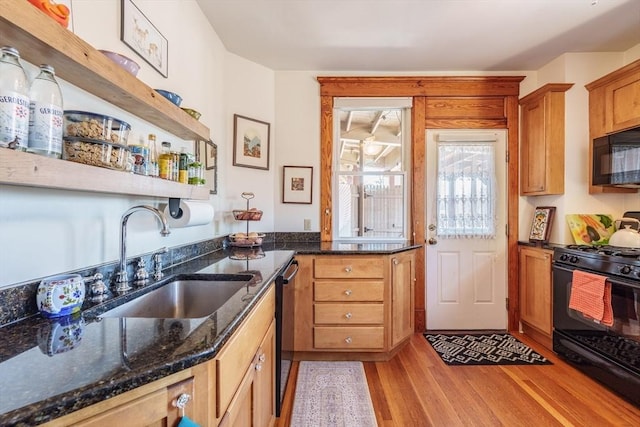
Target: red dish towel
x=591, y=295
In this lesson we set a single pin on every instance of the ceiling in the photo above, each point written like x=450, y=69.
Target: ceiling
x=420, y=35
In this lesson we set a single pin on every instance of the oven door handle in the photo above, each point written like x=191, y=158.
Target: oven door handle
x=287, y=279
x=559, y=267
x=612, y=279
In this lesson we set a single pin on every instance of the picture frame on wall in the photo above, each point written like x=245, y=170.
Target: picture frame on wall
x=207, y=154
x=541, y=224
x=250, y=142
x=137, y=32
x=297, y=184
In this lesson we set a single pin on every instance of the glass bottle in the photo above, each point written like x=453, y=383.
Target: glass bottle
x=165, y=161
x=175, y=165
x=14, y=101
x=45, y=114
x=153, y=156
x=183, y=168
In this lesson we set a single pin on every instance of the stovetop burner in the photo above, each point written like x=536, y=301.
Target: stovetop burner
x=608, y=250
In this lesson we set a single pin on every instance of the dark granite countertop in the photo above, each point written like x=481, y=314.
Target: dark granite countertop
x=51, y=367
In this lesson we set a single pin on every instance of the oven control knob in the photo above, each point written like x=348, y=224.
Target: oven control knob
x=564, y=257
x=573, y=259
x=625, y=269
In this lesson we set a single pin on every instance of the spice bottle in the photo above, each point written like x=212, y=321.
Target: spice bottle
x=165, y=161
x=14, y=101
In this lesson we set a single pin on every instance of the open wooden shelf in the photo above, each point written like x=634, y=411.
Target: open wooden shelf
x=40, y=40
x=19, y=168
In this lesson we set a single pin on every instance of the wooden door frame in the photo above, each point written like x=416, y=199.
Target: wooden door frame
x=426, y=93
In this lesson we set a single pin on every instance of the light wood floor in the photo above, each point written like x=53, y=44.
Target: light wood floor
x=416, y=388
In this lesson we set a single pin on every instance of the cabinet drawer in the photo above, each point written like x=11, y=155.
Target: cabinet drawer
x=236, y=356
x=331, y=267
x=351, y=290
x=144, y=411
x=363, y=314
x=348, y=338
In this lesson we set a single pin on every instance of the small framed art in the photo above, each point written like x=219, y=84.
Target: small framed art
x=297, y=184
x=250, y=142
x=541, y=224
x=143, y=37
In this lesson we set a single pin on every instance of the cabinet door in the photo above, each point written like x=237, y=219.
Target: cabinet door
x=264, y=392
x=402, y=304
x=535, y=288
x=622, y=105
x=253, y=404
x=533, y=164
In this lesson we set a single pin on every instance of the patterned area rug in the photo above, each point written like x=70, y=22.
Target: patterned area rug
x=485, y=349
x=332, y=394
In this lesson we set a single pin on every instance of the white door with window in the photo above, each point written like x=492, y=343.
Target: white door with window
x=466, y=265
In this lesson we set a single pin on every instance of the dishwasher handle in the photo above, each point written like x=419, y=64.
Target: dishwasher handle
x=287, y=279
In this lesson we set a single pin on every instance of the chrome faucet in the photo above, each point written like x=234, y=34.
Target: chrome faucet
x=121, y=278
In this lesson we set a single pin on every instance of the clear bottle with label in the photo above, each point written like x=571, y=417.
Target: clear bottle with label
x=165, y=161
x=14, y=101
x=45, y=114
x=153, y=156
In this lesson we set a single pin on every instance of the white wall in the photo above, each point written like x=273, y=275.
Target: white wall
x=249, y=92
x=47, y=232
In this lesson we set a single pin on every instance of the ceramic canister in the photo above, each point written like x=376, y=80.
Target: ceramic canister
x=60, y=295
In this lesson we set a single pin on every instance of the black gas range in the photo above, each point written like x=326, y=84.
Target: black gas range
x=609, y=354
x=608, y=260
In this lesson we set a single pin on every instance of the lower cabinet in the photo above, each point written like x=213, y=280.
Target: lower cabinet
x=357, y=303
x=535, y=294
x=253, y=402
x=237, y=388
x=150, y=405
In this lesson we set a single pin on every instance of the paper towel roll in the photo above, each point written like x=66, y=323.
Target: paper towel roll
x=191, y=213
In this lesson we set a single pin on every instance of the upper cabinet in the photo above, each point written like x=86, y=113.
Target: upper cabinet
x=614, y=105
x=40, y=39
x=614, y=101
x=542, y=140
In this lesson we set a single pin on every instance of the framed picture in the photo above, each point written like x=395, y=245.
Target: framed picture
x=250, y=142
x=297, y=184
x=207, y=154
x=541, y=224
x=143, y=37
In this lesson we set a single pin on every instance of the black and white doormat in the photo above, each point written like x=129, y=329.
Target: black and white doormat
x=485, y=349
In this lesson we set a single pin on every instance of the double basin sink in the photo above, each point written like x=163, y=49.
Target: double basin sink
x=184, y=296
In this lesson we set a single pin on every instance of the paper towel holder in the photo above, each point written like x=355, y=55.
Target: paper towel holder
x=174, y=208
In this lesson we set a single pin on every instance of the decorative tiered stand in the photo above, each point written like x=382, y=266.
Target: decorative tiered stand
x=246, y=240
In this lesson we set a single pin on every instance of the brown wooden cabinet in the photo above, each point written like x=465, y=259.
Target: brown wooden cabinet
x=614, y=105
x=245, y=371
x=253, y=402
x=535, y=293
x=150, y=405
x=542, y=140
x=403, y=276
x=360, y=304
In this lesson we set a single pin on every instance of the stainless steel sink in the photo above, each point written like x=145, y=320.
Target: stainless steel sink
x=186, y=296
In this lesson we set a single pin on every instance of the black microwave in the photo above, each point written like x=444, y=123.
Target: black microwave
x=616, y=159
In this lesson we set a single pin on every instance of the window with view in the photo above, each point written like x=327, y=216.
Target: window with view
x=371, y=163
